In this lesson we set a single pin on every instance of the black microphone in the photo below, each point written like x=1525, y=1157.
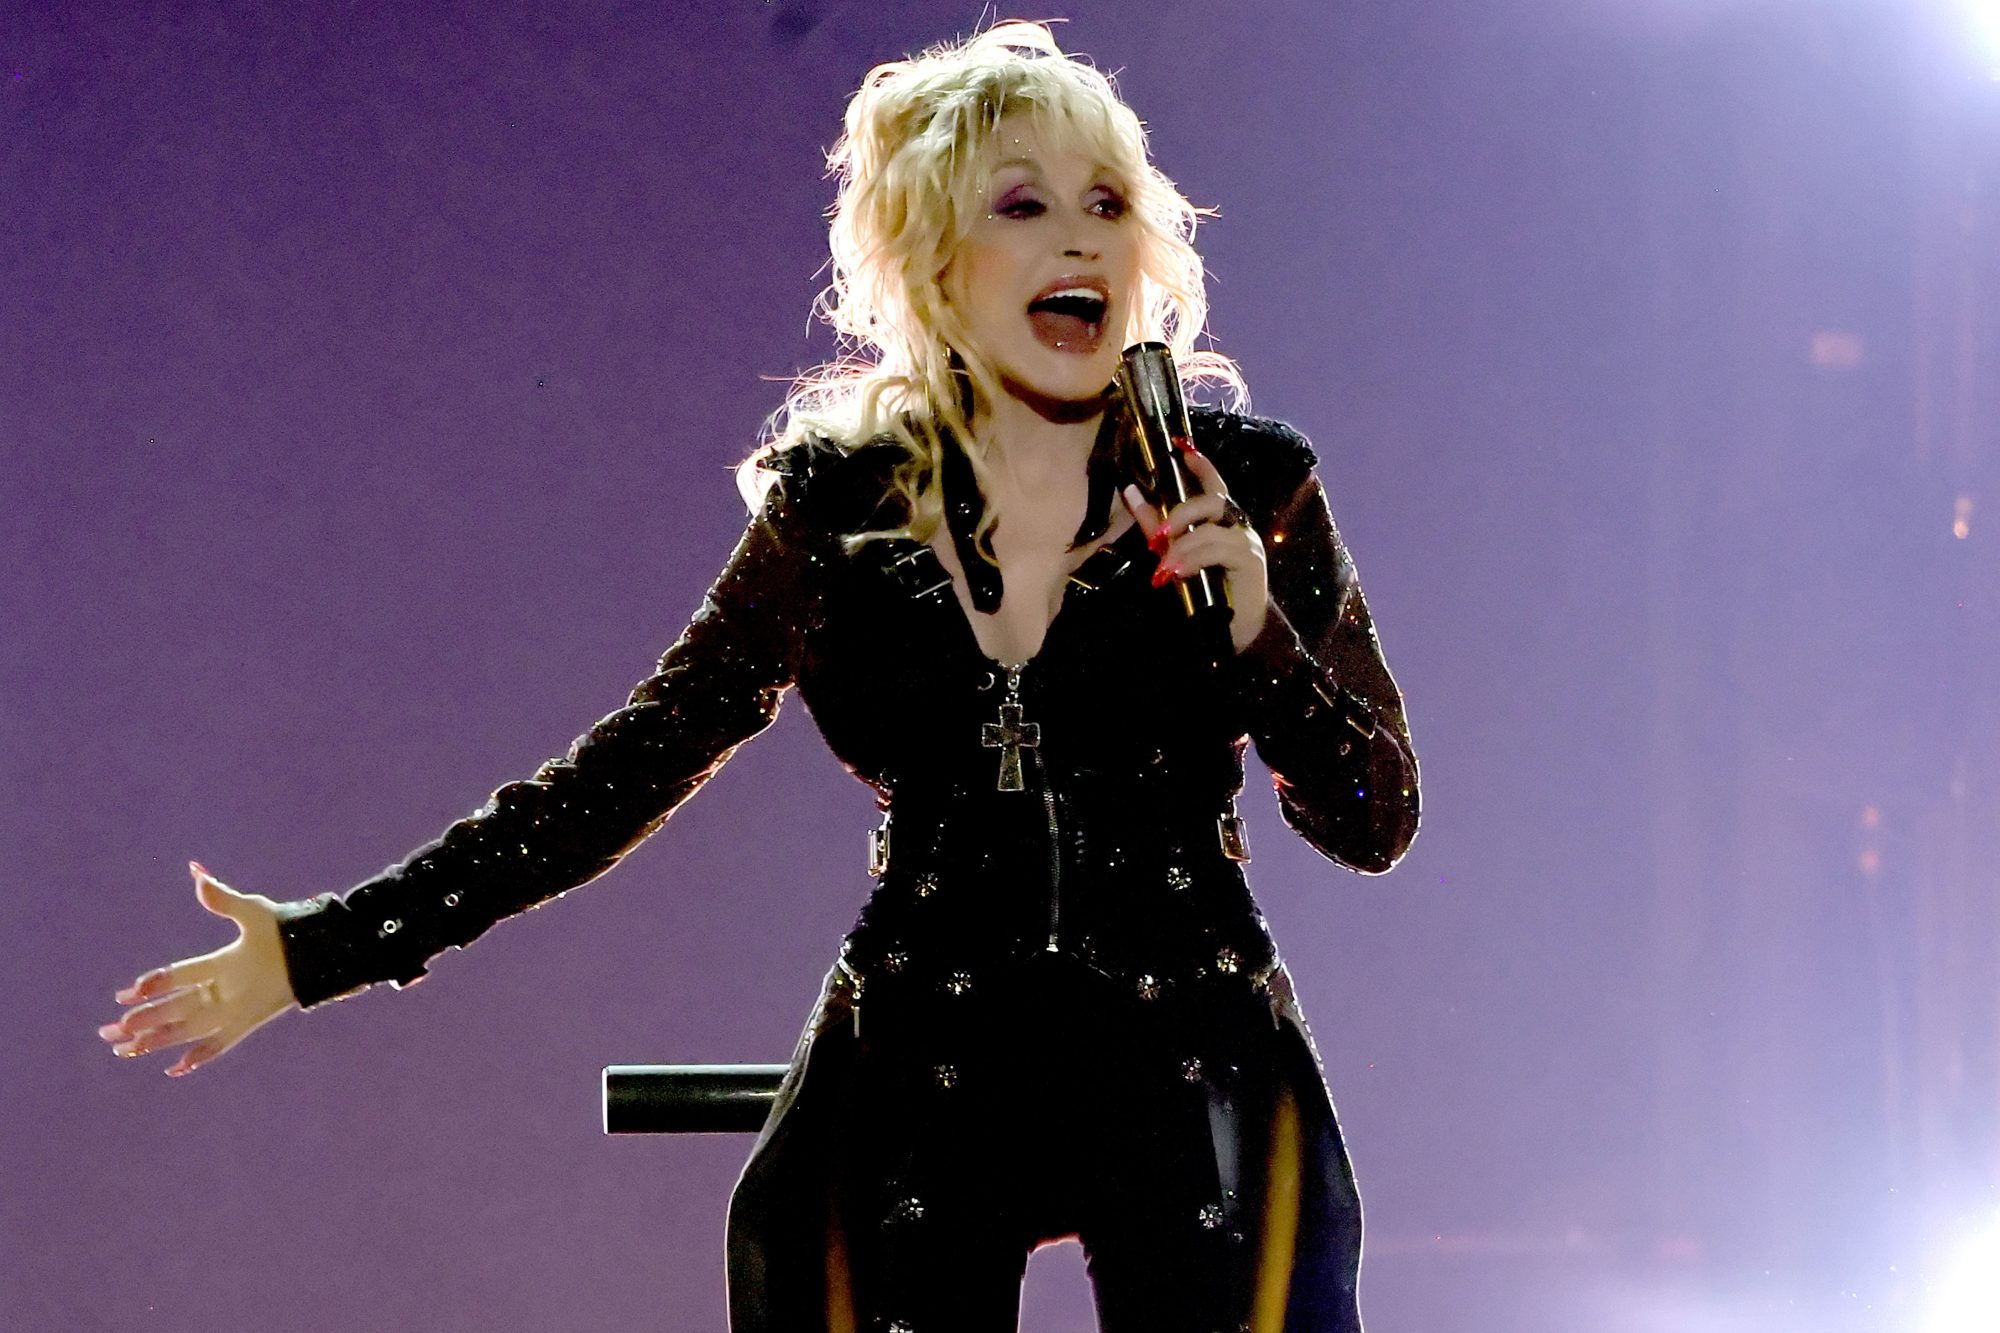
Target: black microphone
x=1160, y=431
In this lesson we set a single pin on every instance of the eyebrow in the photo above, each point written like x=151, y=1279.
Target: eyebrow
x=1103, y=169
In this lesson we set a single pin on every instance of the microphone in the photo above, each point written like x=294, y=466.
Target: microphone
x=1152, y=389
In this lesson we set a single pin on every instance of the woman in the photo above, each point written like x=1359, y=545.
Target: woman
x=1074, y=1022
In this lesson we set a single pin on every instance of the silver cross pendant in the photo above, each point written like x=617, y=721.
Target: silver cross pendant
x=1010, y=735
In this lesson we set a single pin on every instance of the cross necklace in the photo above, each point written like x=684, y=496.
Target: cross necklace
x=1011, y=735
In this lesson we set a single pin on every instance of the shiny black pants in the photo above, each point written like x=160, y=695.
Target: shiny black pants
x=929, y=1155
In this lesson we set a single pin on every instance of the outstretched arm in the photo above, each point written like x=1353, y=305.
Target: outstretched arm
x=719, y=684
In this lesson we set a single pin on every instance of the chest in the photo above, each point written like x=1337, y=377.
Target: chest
x=1036, y=563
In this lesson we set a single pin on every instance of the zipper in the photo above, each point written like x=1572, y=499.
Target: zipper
x=1055, y=857
x=1014, y=674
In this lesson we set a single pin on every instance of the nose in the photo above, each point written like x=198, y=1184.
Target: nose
x=1076, y=240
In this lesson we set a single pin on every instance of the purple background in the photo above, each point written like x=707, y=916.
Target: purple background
x=368, y=381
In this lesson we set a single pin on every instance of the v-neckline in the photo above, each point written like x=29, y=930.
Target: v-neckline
x=1123, y=544
x=985, y=589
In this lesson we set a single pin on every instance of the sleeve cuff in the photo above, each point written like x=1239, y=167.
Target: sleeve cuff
x=323, y=957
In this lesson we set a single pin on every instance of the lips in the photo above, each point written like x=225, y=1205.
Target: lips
x=1071, y=313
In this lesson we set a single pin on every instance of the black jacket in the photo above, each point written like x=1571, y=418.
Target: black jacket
x=1116, y=848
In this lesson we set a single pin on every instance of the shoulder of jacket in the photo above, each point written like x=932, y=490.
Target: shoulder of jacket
x=1260, y=453
x=833, y=485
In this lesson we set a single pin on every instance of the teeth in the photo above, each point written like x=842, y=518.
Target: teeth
x=1087, y=293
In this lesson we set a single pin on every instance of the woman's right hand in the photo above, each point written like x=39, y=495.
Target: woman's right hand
x=213, y=1001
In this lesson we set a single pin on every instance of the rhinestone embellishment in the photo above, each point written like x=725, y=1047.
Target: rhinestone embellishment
x=1149, y=987
x=1210, y=1216
x=1228, y=960
x=924, y=885
x=946, y=1075
x=895, y=961
x=1191, y=1069
x=1179, y=878
x=958, y=983
x=912, y=1210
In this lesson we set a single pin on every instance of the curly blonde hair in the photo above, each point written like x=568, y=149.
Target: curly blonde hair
x=909, y=165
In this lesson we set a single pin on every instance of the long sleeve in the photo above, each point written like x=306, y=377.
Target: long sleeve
x=1323, y=711
x=719, y=684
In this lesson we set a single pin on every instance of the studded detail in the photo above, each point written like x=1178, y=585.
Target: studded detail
x=911, y=1209
x=1149, y=987
x=1191, y=1069
x=924, y=885
x=388, y=928
x=895, y=960
x=451, y=900
x=946, y=1076
x=958, y=983
x=1210, y=1216
x=1228, y=961
x=1180, y=879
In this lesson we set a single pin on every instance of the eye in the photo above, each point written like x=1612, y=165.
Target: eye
x=1110, y=205
x=1021, y=208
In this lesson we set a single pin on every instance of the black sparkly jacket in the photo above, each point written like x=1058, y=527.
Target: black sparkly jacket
x=1120, y=845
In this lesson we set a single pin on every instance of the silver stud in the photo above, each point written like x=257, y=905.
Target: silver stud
x=451, y=900
x=1180, y=878
x=389, y=927
x=958, y=983
x=1149, y=987
x=1228, y=960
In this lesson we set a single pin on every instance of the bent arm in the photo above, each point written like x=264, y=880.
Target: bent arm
x=1323, y=711
x=719, y=684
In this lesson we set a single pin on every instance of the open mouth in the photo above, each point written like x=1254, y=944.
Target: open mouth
x=1070, y=318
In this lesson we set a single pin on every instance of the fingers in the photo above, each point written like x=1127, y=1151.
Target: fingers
x=199, y=1054
x=1204, y=472
x=164, y=1037
x=1204, y=546
x=1143, y=511
x=1208, y=505
x=164, y=981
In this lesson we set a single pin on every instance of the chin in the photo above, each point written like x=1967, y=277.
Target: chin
x=1057, y=377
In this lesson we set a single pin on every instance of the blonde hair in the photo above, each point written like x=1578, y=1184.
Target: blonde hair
x=917, y=136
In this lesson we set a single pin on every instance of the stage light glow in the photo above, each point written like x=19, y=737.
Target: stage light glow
x=1967, y=1298
x=1983, y=19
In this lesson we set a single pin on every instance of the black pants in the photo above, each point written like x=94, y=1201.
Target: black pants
x=947, y=1141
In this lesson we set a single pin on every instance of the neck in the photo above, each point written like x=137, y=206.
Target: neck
x=1032, y=444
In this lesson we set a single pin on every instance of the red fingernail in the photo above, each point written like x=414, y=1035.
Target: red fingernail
x=1160, y=577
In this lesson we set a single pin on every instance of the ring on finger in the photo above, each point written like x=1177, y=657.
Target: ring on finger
x=1232, y=515
x=211, y=990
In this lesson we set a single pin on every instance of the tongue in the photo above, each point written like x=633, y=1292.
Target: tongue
x=1062, y=331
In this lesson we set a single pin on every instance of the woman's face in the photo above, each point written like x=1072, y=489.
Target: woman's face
x=1045, y=280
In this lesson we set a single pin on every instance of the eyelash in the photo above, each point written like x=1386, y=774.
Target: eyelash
x=1029, y=208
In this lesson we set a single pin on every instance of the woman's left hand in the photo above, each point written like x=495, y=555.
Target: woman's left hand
x=1207, y=531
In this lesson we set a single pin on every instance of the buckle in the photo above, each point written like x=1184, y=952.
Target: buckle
x=1235, y=840
x=878, y=847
